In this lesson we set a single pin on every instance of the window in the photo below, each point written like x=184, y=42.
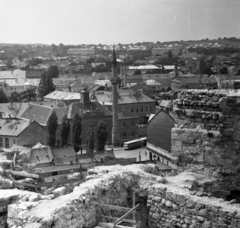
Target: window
x=124, y=124
x=14, y=141
x=146, y=108
x=137, y=109
x=124, y=134
x=1, y=142
x=132, y=110
x=151, y=108
x=7, y=142
x=141, y=109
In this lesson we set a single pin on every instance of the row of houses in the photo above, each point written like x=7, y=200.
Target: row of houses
x=27, y=123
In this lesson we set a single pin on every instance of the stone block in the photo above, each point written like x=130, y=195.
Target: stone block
x=59, y=191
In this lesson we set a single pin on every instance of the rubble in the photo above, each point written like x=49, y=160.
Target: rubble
x=170, y=204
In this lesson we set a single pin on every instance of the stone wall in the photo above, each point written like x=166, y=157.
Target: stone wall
x=176, y=208
x=206, y=138
x=77, y=209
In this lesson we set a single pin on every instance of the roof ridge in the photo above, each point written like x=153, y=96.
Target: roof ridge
x=40, y=105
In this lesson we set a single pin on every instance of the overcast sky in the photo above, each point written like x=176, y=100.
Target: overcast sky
x=119, y=21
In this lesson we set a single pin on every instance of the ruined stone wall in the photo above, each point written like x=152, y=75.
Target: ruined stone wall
x=206, y=139
x=178, y=209
x=77, y=209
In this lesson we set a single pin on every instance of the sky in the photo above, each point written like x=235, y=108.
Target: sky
x=116, y=21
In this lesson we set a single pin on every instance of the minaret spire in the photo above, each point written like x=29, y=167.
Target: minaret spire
x=115, y=128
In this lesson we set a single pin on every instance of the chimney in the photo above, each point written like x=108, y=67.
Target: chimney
x=85, y=97
x=124, y=78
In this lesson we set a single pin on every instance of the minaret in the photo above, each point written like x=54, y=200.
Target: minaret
x=176, y=71
x=115, y=128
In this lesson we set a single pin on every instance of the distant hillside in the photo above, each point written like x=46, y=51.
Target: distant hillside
x=12, y=44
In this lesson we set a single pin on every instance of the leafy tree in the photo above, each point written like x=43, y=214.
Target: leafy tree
x=224, y=70
x=46, y=85
x=28, y=95
x=202, y=66
x=77, y=131
x=52, y=128
x=53, y=71
x=15, y=97
x=3, y=97
x=170, y=56
x=90, y=141
x=101, y=134
x=65, y=130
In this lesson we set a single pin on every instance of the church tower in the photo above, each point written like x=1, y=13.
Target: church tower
x=115, y=127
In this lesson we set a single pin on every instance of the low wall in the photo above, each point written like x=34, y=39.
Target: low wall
x=177, y=208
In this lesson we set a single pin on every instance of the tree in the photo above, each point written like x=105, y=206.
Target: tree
x=101, y=134
x=170, y=56
x=28, y=95
x=3, y=97
x=52, y=128
x=15, y=97
x=65, y=130
x=53, y=71
x=46, y=85
x=77, y=132
x=90, y=141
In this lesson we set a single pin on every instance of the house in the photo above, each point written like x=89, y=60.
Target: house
x=81, y=51
x=127, y=122
x=40, y=155
x=34, y=73
x=91, y=112
x=136, y=102
x=159, y=136
x=3, y=66
x=192, y=82
x=152, y=87
x=64, y=156
x=163, y=78
x=19, y=85
x=62, y=84
x=76, y=86
x=12, y=109
x=41, y=114
x=21, y=132
x=67, y=97
x=12, y=74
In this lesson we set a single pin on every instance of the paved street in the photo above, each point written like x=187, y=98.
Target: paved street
x=121, y=153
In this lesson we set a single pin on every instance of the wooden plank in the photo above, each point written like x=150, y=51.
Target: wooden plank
x=111, y=225
x=133, y=204
x=138, y=225
x=24, y=174
x=25, y=184
x=113, y=207
x=125, y=215
x=115, y=219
